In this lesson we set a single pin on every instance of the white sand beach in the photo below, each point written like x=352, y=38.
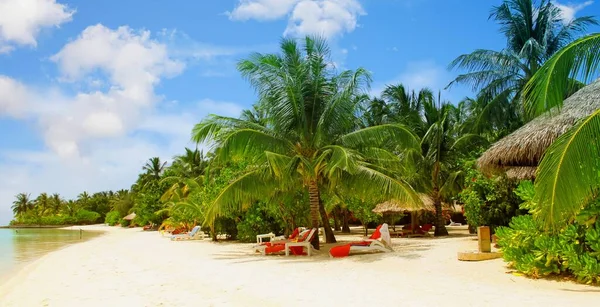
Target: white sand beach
x=128, y=267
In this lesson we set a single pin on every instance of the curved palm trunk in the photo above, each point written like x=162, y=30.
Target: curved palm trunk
x=345, y=226
x=336, y=218
x=440, y=222
x=329, y=236
x=314, y=199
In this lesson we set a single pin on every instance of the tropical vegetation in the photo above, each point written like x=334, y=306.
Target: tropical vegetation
x=317, y=150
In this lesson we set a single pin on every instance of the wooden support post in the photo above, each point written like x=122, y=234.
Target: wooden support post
x=483, y=235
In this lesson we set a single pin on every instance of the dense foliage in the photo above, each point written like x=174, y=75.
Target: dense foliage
x=575, y=249
x=489, y=201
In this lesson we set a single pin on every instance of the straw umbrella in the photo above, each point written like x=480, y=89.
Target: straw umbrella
x=395, y=207
x=519, y=153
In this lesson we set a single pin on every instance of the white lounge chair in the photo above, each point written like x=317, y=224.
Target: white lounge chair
x=195, y=234
x=380, y=240
x=262, y=247
x=304, y=243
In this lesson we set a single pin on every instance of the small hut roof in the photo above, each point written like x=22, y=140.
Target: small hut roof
x=130, y=217
x=520, y=152
x=392, y=206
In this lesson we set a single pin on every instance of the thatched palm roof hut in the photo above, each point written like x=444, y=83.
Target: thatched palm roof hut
x=392, y=206
x=519, y=153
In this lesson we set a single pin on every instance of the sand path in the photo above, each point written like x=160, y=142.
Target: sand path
x=127, y=267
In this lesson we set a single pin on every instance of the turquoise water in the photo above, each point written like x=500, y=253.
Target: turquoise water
x=20, y=246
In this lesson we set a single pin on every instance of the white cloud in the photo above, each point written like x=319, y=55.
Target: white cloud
x=262, y=9
x=568, y=11
x=98, y=139
x=13, y=97
x=22, y=20
x=329, y=18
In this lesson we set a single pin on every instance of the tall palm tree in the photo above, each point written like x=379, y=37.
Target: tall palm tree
x=406, y=107
x=84, y=198
x=433, y=168
x=55, y=202
x=42, y=204
x=154, y=167
x=568, y=176
x=533, y=33
x=308, y=140
x=22, y=204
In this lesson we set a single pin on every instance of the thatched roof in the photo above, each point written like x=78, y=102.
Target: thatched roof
x=392, y=206
x=130, y=217
x=520, y=152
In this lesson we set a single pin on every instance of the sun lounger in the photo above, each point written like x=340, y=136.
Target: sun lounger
x=380, y=240
x=297, y=248
x=272, y=238
x=195, y=234
x=280, y=246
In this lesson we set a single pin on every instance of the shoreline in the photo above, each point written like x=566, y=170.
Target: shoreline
x=24, y=267
x=137, y=268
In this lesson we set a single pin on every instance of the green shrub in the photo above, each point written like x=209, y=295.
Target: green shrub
x=83, y=216
x=257, y=221
x=575, y=249
x=489, y=201
x=113, y=218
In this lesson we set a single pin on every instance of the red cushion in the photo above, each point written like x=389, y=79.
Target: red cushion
x=377, y=234
x=340, y=251
x=295, y=233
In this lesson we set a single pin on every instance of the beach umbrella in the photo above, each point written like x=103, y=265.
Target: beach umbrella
x=395, y=207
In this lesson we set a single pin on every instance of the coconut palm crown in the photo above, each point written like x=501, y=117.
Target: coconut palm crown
x=309, y=138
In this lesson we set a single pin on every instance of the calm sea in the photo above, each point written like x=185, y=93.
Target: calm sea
x=20, y=246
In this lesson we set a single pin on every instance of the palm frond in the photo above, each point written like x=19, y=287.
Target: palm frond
x=549, y=86
x=380, y=136
x=568, y=175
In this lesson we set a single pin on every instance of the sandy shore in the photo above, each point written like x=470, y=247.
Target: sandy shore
x=128, y=267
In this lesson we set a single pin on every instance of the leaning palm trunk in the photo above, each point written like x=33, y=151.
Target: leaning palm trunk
x=314, y=198
x=329, y=236
x=345, y=226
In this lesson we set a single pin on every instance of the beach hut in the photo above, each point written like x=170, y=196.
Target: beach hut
x=519, y=153
x=392, y=207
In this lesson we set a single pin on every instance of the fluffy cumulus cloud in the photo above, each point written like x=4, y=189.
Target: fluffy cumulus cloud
x=98, y=138
x=569, y=10
x=22, y=20
x=324, y=17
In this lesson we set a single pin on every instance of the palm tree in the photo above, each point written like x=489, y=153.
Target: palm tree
x=568, y=176
x=154, y=167
x=533, y=33
x=308, y=140
x=71, y=207
x=42, y=204
x=84, y=198
x=406, y=107
x=22, y=204
x=434, y=167
x=56, y=202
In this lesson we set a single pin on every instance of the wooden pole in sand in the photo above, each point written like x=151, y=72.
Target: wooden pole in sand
x=483, y=237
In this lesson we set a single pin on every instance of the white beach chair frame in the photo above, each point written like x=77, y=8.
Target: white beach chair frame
x=304, y=244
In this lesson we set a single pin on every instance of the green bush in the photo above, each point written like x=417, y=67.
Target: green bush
x=575, y=249
x=83, y=216
x=113, y=218
x=257, y=221
x=489, y=201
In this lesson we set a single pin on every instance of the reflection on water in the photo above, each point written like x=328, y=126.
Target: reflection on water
x=19, y=246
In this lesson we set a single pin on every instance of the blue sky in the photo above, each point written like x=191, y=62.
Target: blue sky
x=89, y=90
